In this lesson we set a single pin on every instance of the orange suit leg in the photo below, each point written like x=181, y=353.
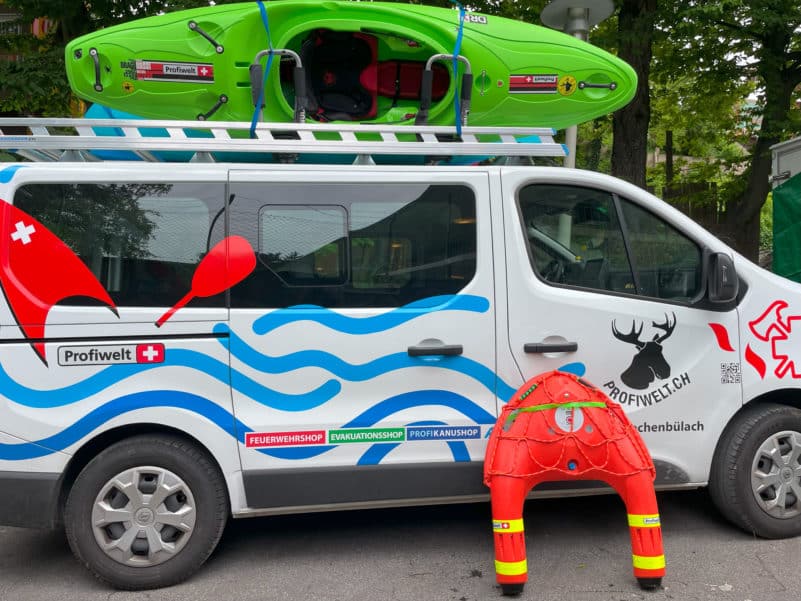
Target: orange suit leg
x=645, y=528
x=508, y=495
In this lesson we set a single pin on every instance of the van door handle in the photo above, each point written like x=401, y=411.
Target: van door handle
x=545, y=347
x=442, y=349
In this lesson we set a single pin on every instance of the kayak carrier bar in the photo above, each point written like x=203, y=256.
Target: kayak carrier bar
x=427, y=83
x=299, y=80
x=52, y=139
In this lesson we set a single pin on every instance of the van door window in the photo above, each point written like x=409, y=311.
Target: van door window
x=666, y=262
x=304, y=246
x=577, y=238
x=142, y=241
x=359, y=246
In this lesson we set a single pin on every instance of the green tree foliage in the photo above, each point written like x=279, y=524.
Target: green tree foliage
x=724, y=46
x=37, y=84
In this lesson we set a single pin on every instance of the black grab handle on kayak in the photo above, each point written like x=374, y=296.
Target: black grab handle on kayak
x=218, y=48
x=96, y=60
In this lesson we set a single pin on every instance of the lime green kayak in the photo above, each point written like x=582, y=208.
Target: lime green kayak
x=370, y=62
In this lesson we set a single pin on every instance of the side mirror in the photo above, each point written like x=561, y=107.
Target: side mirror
x=723, y=283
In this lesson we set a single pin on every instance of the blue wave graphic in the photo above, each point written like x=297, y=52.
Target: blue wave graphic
x=296, y=453
x=369, y=325
x=232, y=426
x=577, y=369
x=388, y=407
x=7, y=174
x=140, y=400
x=377, y=452
x=59, y=397
x=420, y=398
x=359, y=373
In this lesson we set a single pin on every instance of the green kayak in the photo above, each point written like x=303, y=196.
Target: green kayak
x=370, y=62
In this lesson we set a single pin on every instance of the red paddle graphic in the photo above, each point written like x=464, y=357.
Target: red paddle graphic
x=229, y=262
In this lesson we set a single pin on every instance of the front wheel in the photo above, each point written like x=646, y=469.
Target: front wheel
x=756, y=471
x=146, y=512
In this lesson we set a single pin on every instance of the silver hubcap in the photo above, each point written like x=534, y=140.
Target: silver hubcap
x=776, y=475
x=143, y=516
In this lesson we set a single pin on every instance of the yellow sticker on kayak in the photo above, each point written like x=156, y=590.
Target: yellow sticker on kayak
x=567, y=85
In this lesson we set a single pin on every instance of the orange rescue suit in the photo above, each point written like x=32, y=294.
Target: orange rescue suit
x=559, y=427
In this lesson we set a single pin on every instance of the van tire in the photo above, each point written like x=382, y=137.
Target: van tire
x=739, y=481
x=185, y=488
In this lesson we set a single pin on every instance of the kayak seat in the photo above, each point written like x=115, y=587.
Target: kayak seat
x=402, y=80
x=338, y=71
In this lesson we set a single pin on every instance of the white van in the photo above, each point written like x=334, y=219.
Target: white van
x=184, y=342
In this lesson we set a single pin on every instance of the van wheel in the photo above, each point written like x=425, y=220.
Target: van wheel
x=755, y=479
x=146, y=512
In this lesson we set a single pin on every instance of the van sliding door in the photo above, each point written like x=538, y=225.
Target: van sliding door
x=362, y=346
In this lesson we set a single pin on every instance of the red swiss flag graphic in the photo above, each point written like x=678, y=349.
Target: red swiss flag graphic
x=37, y=270
x=150, y=353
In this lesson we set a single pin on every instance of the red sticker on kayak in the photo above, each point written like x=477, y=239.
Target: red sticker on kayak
x=533, y=84
x=173, y=71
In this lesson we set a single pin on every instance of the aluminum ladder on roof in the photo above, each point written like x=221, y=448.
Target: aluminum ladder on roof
x=77, y=139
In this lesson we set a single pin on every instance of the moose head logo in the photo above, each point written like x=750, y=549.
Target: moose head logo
x=649, y=363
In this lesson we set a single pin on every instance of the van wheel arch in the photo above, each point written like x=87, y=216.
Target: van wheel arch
x=102, y=441
x=739, y=484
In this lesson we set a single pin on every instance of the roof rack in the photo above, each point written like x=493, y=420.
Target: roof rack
x=84, y=139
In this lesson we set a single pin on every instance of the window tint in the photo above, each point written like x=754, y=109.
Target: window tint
x=668, y=265
x=141, y=241
x=304, y=246
x=341, y=245
x=576, y=238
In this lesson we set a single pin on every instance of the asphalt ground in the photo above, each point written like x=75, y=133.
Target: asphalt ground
x=578, y=550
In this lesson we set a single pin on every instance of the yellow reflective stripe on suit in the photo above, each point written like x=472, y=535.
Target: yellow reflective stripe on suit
x=507, y=526
x=644, y=521
x=505, y=568
x=648, y=563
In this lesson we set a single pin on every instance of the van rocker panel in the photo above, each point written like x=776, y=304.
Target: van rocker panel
x=272, y=489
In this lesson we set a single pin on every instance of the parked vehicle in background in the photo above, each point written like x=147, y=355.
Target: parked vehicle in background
x=786, y=180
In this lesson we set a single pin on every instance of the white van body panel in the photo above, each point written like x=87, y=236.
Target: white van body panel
x=205, y=386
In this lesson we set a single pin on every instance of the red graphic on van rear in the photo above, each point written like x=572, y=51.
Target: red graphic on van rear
x=778, y=330
x=37, y=270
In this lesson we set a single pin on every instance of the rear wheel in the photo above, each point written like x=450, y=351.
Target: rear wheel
x=146, y=512
x=756, y=472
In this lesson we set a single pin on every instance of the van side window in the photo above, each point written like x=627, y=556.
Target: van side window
x=142, y=241
x=304, y=246
x=576, y=237
x=667, y=263
x=346, y=245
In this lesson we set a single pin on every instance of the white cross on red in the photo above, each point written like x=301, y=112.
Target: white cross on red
x=23, y=233
x=150, y=353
